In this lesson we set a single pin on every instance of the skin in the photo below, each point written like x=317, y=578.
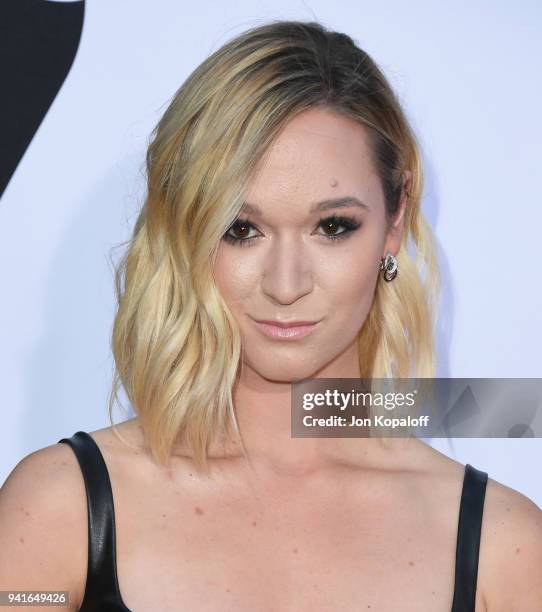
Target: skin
x=309, y=524
x=291, y=269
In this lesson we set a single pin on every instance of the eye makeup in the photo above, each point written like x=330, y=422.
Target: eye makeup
x=350, y=225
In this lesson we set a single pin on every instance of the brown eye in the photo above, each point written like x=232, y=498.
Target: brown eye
x=238, y=233
x=240, y=230
x=331, y=225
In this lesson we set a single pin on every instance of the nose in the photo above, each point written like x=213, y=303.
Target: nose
x=288, y=271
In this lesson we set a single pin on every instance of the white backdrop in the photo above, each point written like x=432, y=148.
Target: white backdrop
x=468, y=76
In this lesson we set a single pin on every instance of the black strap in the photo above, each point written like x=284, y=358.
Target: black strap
x=468, y=539
x=102, y=588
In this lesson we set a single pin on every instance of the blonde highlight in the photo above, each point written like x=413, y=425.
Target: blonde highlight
x=176, y=346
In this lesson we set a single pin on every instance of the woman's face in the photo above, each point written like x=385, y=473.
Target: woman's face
x=286, y=260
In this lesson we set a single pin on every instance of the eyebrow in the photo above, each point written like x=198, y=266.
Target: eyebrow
x=317, y=206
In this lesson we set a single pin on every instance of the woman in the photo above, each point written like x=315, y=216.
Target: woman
x=284, y=186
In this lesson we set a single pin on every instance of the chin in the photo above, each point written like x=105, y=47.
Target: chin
x=284, y=371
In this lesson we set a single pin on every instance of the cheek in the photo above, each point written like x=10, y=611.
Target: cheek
x=349, y=274
x=344, y=281
x=235, y=278
x=349, y=288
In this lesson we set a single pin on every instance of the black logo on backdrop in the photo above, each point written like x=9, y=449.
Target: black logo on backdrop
x=38, y=43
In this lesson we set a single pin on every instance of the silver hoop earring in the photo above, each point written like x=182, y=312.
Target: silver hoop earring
x=389, y=266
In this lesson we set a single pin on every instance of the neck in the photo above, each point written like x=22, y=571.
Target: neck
x=263, y=410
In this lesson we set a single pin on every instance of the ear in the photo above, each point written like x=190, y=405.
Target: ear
x=396, y=229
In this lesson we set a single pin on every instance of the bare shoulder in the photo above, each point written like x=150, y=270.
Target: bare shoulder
x=124, y=449
x=43, y=524
x=510, y=558
x=510, y=565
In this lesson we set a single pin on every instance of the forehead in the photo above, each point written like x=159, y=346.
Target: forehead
x=319, y=154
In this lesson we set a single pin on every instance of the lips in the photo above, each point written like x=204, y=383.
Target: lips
x=289, y=324
x=286, y=331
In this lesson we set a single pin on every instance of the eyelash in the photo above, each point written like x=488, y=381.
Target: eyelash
x=349, y=223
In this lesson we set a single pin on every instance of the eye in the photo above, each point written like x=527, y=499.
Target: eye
x=330, y=223
x=242, y=228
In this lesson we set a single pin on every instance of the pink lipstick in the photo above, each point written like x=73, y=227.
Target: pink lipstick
x=287, y=331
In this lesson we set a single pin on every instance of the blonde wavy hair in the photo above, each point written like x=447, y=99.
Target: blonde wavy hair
x=176, y=345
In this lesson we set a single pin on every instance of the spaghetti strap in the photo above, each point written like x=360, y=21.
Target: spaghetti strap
x=102, y=593
x=468, y=539
x=102, y=589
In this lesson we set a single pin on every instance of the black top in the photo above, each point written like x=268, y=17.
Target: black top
x=102, y=592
